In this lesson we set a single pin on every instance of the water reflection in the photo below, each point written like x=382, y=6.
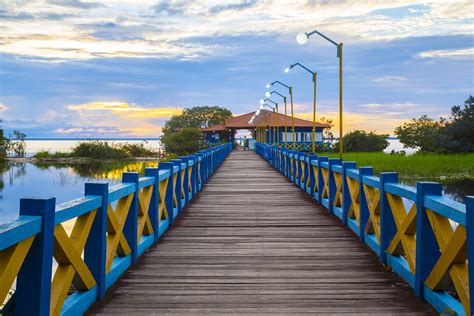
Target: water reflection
x=111, y=170
x=62, y=181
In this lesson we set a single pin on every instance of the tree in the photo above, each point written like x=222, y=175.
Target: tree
x=361, y=141
x=187, y=125
x=422, y=133
x=458, y=133
x=17, y=144
x=197, y=117
x=183, y=142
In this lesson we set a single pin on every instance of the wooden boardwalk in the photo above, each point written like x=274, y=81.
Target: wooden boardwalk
x=253, y=243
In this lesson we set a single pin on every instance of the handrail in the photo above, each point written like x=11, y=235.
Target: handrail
x=112, y=227
x=425, y=237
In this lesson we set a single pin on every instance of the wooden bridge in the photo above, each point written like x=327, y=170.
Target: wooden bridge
x=312, y=236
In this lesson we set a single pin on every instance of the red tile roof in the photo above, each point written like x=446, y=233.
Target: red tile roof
x=242, y=121
x=214, y=128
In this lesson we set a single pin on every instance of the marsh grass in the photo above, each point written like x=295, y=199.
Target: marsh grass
x=416, y=166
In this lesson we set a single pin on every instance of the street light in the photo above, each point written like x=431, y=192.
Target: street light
x=277, y=130
x=268, y=94
x=290, y=90
x=302, y=38
x=314, y=77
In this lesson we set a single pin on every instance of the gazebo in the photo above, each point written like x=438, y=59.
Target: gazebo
x=266, y=128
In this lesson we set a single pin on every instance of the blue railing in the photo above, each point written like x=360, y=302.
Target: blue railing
x=94, y=238
x=423, y=236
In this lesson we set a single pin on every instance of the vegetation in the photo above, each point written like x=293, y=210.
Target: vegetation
x=100, y=150
x=451, y=135
x=15, y=144
x=183, y=142
x=181, y=133
x=416, y=166
x=197, y=117
x=361, y=141
x=3, y=151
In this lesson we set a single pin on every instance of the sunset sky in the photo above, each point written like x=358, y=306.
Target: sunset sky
x=72, y=68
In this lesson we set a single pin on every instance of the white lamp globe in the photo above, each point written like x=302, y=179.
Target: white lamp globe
x=268, y=85
x=287, y=70
x=261, y=101
x=302, y=38
x=268, y=94
x=261, y=106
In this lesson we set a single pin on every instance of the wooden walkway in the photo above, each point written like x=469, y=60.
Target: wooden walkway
x=253, y=243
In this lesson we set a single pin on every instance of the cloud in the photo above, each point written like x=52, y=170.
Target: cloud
x=125, y=109
x=76, y=4
x=3, y=107
x=448, y=53
x=184, y=29
x=232, y=7
x=128, y=119
x=384, y=79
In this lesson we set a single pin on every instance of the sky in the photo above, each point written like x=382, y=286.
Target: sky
x=114, y=69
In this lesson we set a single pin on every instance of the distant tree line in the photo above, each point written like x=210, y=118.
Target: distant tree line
x=454, y=134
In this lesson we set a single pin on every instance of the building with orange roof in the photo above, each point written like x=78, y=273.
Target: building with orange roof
x=274, y=129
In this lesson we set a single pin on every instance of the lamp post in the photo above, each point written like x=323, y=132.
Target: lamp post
x=290, y=91
x=314, y=77
x=268, y=94
x=302, y=38
x=275, y=111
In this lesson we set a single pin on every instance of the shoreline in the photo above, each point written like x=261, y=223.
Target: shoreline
x=77, y=160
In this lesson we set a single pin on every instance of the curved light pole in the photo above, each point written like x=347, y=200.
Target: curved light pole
x=262, y=105
x=268, y=94
x=290, y=91
x=302, y=38
x=275, y=111
x=314, y=76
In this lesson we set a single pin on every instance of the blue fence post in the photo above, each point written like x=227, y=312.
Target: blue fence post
x=469, y=200
x=199, y=171
x=346, y=195
x=169, y=201
x=177, y=163
x=312, y=178
x=427, y=250
x=321, y=159
x=95, y=251
x=185, y=160
x=388, y=228
x=33, y=285
x=363, y=208
x=332, y=183
x=153, y=209
x=282, y=161
x=194, y=179
x=130, y=229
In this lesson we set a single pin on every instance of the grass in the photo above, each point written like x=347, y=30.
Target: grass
x=416, y=166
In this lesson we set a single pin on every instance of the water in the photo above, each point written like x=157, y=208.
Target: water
x=62, y=181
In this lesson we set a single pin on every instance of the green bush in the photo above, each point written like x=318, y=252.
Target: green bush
x=100, y=150
x=47, y=155
x=361, y=141
x=138, y=150
x=184, y=142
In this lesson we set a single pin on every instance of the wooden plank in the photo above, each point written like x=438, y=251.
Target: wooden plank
x=251, y=242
